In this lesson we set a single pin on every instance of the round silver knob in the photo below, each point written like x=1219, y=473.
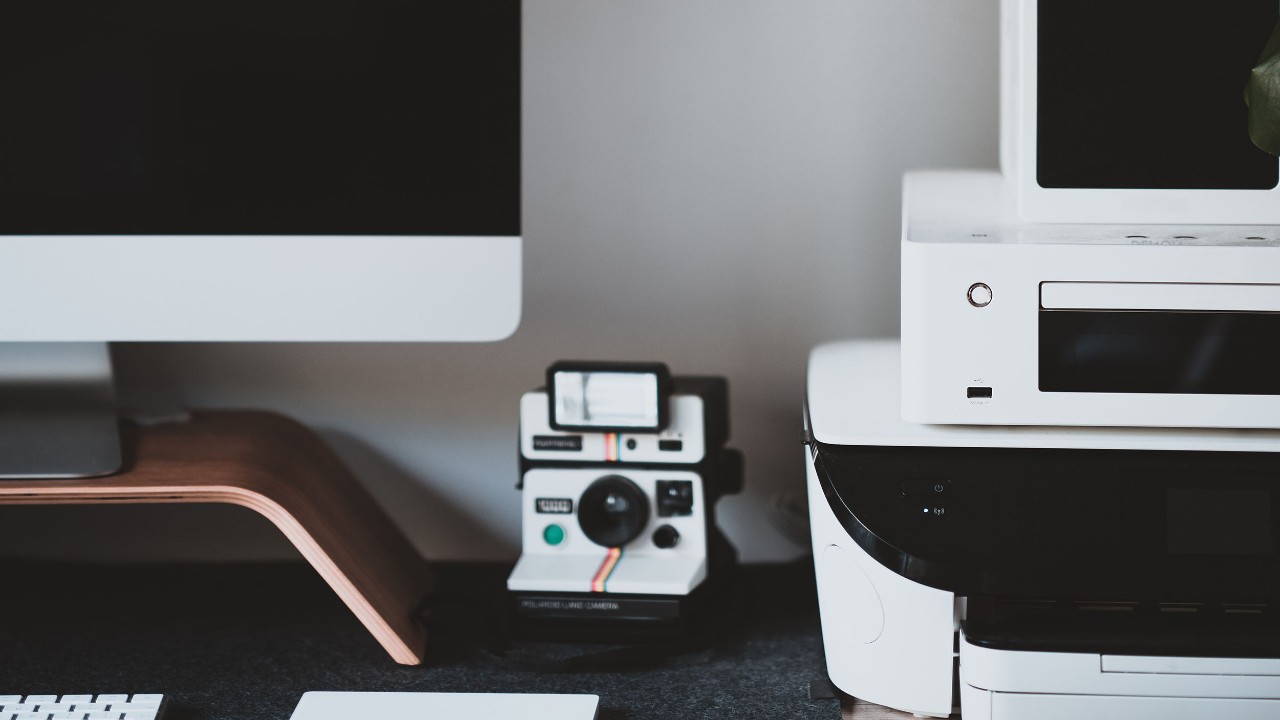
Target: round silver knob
x=979, y=295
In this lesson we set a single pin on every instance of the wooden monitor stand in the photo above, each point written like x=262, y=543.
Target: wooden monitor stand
x=284, y=471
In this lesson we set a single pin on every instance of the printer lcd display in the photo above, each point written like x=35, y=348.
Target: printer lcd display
x=1219, y=522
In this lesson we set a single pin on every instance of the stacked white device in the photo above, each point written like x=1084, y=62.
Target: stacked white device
x=1059, y=496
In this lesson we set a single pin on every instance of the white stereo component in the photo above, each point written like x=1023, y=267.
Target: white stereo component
x=1008, y=323
x=1131, y=112
x=1151, y=556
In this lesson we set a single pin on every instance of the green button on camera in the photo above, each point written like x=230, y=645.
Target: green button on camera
x=553, y=534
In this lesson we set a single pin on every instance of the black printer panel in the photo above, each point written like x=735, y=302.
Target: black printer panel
x=1154, y=525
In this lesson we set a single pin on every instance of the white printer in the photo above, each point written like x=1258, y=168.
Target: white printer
x=1033, y=573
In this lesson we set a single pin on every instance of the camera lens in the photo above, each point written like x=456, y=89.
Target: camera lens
x=613, y=511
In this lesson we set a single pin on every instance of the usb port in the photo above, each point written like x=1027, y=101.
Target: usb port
x=976, y=391
x=671, y=445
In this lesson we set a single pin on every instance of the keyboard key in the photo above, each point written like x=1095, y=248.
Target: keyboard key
x=66, y=716
x=73, y=699
x=103, y=716
x=140, y=714
x=38, y=699
x=8, y=699
x=113, y=698
x=149, y=700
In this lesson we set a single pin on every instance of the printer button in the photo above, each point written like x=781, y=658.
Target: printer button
x=917, y=489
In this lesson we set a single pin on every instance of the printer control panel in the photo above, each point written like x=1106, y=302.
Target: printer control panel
x=925, y=496
x=1062, y=522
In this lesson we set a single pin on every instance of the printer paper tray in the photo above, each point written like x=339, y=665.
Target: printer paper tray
x=1040, y=685
x=1018, y=706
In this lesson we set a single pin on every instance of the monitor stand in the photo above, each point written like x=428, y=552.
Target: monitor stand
x=284, y=472
x=57, y=411
x=61, y=443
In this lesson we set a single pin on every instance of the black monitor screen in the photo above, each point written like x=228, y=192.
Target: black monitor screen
x=274, y=117
x=1150, y=94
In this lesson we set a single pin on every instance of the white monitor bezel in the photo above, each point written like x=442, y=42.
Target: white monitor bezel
x=259, y=288
x=1019, y=72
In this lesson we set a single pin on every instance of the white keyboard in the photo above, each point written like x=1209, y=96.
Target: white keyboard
x=81, y=707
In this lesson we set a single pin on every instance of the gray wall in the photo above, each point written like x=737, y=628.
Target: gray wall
x=712, y=183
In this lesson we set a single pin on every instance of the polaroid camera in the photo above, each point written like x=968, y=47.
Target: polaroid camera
x=621, y=467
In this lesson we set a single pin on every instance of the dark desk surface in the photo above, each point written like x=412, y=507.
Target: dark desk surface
x=245, y=642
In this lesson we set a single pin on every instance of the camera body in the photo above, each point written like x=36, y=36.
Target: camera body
x=618, y=526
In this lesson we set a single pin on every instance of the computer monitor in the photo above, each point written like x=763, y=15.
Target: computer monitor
x=251, y=170
x=1135, y=111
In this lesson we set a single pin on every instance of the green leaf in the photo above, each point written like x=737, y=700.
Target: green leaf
x=1262, y=95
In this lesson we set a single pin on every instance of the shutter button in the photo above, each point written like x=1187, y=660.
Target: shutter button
x=666, y=537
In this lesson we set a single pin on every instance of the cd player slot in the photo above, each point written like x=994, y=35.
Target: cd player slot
x=1193, y=297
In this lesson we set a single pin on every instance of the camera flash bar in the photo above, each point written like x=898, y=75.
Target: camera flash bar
x=605, y=396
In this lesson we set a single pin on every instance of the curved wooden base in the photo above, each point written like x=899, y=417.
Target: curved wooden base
x=284, y=471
